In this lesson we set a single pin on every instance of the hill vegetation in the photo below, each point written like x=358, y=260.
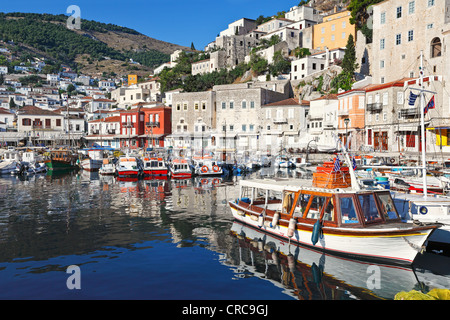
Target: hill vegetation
x=48, y=35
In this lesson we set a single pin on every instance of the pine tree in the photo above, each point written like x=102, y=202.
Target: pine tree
x=349, y=64
x=192, y=46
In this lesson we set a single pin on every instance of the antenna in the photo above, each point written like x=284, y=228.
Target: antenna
x=354, y=180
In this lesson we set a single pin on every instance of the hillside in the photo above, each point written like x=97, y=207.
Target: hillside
x=96, y=48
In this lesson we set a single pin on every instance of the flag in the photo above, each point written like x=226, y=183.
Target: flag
x=354, y=163
x=337, y=165
x=412, y=98
x=430, y=105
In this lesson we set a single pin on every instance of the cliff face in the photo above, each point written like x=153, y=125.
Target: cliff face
x=328, y=5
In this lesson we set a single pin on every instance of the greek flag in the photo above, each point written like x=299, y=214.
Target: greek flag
x=337, y=165
x=430, y=105
x=354, y=163
x=412, y=98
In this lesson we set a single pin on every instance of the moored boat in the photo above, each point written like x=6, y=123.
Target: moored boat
x=127, y=166
x=94, y=160
x=331, y=214
x=107, y=168
x=180, y=169
x=154, y=167
x=61, y=159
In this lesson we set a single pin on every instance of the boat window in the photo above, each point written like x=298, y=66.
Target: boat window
x=388, y=207
x=369, y=207
x=302, y=202
x=329, y=211
x=288, y=200
x=316, y=207
x=348, y=212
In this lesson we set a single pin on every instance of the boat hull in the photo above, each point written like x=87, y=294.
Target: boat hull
x=91, y=164
x=394, y=248
x=128, y=173
x=59, y=165
x=155, y=172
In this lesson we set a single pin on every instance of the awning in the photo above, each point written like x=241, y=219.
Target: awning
x=438, y=128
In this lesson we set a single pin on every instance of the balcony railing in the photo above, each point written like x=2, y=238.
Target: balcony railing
x=343, y=113
x=127, y=124
x=374, y=107
x=409, y=112
x=279, y=120
x=152, y=124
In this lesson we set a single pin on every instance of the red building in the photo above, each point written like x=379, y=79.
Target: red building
x=145, y=127
x=131, y=127
x=158, y=124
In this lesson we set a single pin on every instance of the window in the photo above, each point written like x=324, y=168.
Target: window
x=385, y=99
x=382, y=44
x=333, y=27
x=400, y=98
x=58, y=122
x=410, y=35
x=343, y=24
x=332, y=37
x=314, y=66
x=430, y=26
x=231, y=105
x=369, y=207
x=369, y=136
x=381, y=64
x=252, y=104
x=343, y=35
x=430, y=3
x=348, y=212
x=185, y=107
x=244, y=104
x=411, y=7
x=196, y=106
x=383, y=18
x=224, y=105
x=398, y=39
x=384, y=116
x=178, y=109
x=252, y=127
x=244, y=127
x=203, y=106
x=399, y=12
x=387, y=207
x=323, y=30
x=231, y=128
x=436, y=47
x=316, y=205
x=410, y=141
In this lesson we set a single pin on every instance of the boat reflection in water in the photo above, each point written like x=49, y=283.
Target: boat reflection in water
x=307, y=274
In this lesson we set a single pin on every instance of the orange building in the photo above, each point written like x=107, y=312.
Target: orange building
x=351, y=117
x=333, y=32
x=132, y=79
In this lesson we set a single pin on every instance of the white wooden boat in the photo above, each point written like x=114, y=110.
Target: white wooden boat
x=11, y=159
x=207, y=167
x=108, y=168
x=332, y=213
x=94, y=161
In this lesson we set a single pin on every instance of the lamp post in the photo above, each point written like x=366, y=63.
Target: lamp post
x=346, y=121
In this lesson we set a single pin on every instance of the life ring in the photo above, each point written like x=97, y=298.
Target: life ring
x=215, y=181
x=204, y=169
x=216, y=168
x=204, y=181
x=392, y=160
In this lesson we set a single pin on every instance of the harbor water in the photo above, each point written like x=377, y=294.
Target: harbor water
x=80, y=235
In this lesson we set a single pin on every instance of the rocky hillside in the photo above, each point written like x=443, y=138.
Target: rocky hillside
x=95, y=46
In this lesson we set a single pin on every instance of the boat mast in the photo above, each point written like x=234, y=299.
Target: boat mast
x=422, y=126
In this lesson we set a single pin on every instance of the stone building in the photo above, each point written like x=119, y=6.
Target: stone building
x=402, y=30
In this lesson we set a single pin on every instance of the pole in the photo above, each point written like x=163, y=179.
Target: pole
x=422, y=126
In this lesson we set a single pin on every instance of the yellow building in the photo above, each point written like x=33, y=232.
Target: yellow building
x=132, y=79
x=333, y=32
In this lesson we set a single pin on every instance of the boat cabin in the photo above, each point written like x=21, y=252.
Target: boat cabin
x=154, y=163
x=335, y=208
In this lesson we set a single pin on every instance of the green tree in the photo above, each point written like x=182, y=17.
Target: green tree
x=12, y=104
x=349, y=64
x=360, y=14
x=280, y=64
x=301, y=52
x=258, y=64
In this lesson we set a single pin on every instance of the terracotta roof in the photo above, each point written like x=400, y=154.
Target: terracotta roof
x=397, y=83
x=32, y=110
x=107, y=119
x=288, y=102
x=330, y=96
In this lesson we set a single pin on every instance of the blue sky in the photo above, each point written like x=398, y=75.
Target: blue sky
x=177, y=21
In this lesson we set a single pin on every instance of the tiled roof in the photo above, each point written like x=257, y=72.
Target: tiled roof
x=32, y=110
x=288, y=102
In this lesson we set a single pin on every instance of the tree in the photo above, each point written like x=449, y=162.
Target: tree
x=192, y=46
x=280, y=64
x=360, y=14
x=258, y=64
x=12, y=104
x=349, y=62
x=301, y=52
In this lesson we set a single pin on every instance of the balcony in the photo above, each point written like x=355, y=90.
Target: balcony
x=343, y=113
x=152, y=124
x=127, y=125
x=279, y=120
x=409, y=112
x=374, y=107
x=111, y=131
